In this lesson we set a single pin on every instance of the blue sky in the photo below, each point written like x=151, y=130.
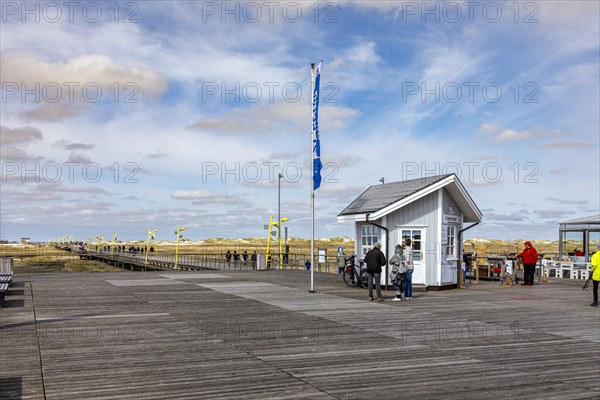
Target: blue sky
x=202, y=105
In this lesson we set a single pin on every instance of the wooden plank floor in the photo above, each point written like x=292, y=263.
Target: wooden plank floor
x=261, y=335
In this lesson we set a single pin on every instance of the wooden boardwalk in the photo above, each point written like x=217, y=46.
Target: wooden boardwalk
x=261, y=335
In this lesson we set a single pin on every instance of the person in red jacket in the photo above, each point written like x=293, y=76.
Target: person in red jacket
x=530, y=257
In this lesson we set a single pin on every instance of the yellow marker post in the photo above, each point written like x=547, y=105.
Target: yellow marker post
x=151, y=234
x=114, y=238
x=269, y=234
x=99, y=237
x=178, y=233
x=279, y=236
x=544, y=273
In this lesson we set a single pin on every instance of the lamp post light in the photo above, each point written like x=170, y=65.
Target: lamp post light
x=178, y=233
x=151, y=235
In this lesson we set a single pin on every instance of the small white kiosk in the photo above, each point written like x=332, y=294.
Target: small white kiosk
x=431, y=211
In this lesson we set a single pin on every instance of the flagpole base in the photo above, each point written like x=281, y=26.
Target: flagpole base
x=312, y=291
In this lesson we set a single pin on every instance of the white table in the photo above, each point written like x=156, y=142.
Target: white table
x=581, y=271
x=563, y=267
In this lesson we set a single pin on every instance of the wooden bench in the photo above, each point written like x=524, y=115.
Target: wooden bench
x=3, y=290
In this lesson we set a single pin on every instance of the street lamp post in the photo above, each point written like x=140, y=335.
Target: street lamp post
x=279, y=215
x=177, y=232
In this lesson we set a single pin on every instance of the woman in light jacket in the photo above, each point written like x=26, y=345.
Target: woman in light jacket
x=398, y=274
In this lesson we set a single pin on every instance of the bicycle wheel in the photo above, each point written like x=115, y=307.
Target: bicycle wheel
x=349, y=279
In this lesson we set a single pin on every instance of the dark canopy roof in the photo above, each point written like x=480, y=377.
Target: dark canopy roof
x=594, y=219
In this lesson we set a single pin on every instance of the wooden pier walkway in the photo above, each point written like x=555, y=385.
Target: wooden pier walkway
x=262, y=335
x=188, y=262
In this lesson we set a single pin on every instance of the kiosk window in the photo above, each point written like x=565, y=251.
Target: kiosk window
x=451, y=250
x=370, y=236
x=415, y=237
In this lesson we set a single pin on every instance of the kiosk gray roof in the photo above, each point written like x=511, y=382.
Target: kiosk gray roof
x=382, y=199
x=380, y=196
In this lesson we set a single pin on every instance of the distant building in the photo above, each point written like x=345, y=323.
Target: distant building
x=431, y=211
x=25, y=240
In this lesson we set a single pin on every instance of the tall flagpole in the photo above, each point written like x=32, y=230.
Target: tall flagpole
x=312, y=184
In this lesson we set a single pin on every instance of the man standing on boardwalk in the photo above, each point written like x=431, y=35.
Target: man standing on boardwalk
x=530, y=257
x=375, y=260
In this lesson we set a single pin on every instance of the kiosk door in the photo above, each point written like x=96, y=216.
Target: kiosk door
x=417, y=237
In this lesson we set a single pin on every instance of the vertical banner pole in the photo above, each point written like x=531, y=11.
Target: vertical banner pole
x=312, y=186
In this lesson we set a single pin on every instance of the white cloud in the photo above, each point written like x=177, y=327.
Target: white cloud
x=30, y=69
x=564, y=145
x=190, y=195
x=500, y=134
x=23, y=135
x=202, y=197
x=278, y=118
x=68, y=145
x=13, y=154
x=511, y=135
x=66, y=87
x=52, y=112
x=556, y=13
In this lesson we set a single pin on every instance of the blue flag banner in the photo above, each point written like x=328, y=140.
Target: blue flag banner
x=317, y=165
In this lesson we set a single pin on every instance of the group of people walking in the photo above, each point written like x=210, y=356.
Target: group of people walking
x=401, y=273
x=236, y=258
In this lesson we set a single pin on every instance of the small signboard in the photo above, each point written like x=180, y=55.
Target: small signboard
x=509, y=267
x=451, y=218
x=322, y=256
x=340, y=249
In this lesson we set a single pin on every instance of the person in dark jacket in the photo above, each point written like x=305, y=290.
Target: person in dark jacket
x=228, y=258
x=375, y=260
x=530, y=257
